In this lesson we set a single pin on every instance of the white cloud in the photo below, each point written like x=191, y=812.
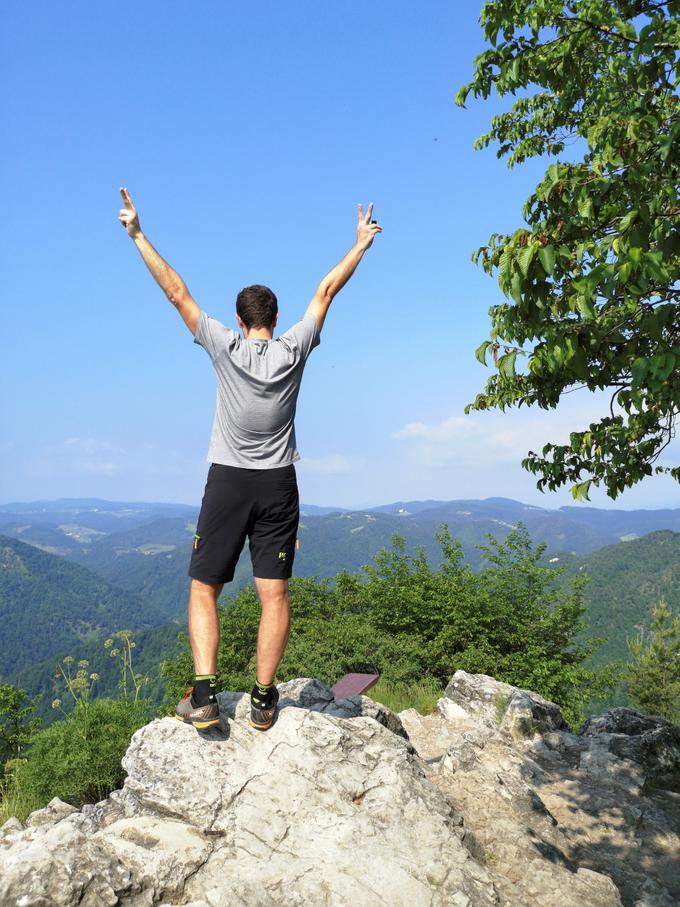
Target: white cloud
x=454, y=426
x=77, y=456
x=483, y=439
x=331, y=465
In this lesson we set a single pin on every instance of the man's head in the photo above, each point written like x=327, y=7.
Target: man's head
x=257, y=307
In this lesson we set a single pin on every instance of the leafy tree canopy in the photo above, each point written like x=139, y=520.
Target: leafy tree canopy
x=592, y=280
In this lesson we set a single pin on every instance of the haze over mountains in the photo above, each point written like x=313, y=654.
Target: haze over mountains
x=74, y=570
x=96, y=532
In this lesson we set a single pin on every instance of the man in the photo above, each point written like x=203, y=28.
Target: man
x=251, y=489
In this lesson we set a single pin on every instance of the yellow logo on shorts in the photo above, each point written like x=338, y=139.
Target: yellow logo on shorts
x=282, y=555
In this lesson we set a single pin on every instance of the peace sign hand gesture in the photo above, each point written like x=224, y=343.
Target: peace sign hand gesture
x=366, y=228
x=128, y=215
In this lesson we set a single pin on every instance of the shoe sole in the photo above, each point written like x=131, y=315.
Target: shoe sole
x=260, y=727
x=199, y=724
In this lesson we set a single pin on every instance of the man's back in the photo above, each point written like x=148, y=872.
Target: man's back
x=258, y=382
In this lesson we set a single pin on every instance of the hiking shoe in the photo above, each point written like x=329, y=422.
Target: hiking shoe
x=201, y=716
x=263, y=708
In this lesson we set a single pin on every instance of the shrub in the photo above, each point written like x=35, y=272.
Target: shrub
x=78, y=759
x=408, y=622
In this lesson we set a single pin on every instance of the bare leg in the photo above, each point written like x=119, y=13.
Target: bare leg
x=204, y=628
x=274, y=626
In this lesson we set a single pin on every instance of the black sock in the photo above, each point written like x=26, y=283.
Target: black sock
x=205, y=689
x=263, y=691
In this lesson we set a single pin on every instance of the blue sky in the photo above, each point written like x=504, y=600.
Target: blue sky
x=246, y=136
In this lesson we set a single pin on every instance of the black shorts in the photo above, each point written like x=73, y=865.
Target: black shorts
x=262, y=504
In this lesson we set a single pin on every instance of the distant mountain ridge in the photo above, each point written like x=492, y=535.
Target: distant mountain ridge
x=145, y=548
x=71, y=525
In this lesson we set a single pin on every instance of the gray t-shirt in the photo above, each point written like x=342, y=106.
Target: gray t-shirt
x=257, y=388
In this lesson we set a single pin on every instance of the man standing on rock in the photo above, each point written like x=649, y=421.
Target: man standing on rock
x=251, y=489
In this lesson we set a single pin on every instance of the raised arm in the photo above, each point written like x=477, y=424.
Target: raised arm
x=336, y=279
x=168, y=279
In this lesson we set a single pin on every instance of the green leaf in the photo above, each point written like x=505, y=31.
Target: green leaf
x=524, y=258
x=585, y=207
x=480, y=352
x=506, y=364
x=627, y=220
x=504, y=264
x=516, y=288
x=585, y=307
x=546, y=255
x=580, y=490
x=639, y=370
x=655, y=267
x=625, y=271
x=662, y=365
x=579, y=363
x=461, y=95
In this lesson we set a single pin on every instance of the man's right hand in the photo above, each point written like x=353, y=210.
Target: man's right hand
x=128, y=215
x=366, y=229
x=336, y=278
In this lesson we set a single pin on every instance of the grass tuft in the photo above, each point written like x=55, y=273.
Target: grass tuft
x=421, y=695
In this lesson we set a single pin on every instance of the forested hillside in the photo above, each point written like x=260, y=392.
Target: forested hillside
x=626, y=581
x=49, y=604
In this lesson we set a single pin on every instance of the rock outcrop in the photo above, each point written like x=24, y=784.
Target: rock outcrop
x=558, y=818
x=489, y=801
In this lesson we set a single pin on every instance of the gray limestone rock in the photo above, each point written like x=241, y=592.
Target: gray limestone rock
x=55, y=864
x=55, y=810
x=558, y=818
x=10, y=826
x=522, y=712
x=328, y=807
x=490, y=800
x=651, y=742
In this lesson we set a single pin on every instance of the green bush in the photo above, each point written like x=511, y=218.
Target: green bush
x=78, y=759
x=410, y=623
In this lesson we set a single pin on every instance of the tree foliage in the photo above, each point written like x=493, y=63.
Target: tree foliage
x=592, y=281
x=17, y=721
x=654, y=673
x=403, y=619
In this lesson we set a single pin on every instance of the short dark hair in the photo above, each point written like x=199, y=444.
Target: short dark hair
x=257, y=307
